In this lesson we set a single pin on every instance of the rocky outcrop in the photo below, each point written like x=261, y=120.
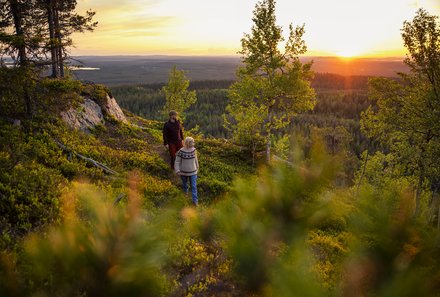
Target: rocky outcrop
x=87, y=116
x=111, y=107
x=90, y=114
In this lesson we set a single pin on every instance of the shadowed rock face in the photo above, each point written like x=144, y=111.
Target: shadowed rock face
x=112, y=108
x=89, y=114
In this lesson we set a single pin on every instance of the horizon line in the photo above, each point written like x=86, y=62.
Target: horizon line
x=234, y=56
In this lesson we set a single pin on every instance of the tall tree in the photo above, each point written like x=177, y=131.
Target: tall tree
x=16, y=34
x=19, y=41
x=407, y=116
x=62, y=22
x=50, y=12
x=177, y=95
x=29, y=29
x=421, y=37
x=275, y=83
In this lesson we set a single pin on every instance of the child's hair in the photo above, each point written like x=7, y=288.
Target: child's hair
x=189, y=142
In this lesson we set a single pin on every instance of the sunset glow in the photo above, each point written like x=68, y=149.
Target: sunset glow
x=345, y=28
x=346, y=54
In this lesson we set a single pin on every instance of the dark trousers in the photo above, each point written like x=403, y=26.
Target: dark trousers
x=173, y=148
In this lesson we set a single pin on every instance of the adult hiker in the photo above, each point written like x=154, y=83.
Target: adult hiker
x=172, y=136
x=187, y=166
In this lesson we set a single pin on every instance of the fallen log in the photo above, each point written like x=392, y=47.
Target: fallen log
x=89, y=160
x=119, y=198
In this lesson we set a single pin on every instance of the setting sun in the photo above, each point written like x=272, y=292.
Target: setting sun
x=355, y=47
x=347, y=53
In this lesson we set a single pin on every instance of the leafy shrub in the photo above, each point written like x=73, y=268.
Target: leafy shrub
x=158, y=191
x=30, y=196
x=330, y=251
x=109, y=252
x=96, y=92
x=199, y=269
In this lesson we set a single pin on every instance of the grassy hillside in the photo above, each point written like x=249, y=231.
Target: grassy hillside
x=69, y=228
x=42, y=185
x=36, y=171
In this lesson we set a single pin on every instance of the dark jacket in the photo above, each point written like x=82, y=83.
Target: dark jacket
x=172, y=132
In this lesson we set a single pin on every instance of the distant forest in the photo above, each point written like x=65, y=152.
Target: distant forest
x=340, y=101
x=120, y=70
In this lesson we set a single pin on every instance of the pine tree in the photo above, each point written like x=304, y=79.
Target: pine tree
x=19, y=41
x=62, y=22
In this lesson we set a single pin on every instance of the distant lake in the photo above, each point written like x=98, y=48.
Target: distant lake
x=73, y=68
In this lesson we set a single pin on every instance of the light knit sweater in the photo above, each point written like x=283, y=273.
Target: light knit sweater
x=186, y=162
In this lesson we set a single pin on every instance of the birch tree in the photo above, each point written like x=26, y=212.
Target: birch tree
x=272, y=81
x=406, y=116
x=177, y=95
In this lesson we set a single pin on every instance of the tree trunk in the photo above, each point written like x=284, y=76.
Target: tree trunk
x=17, y=15
x=419, y=190
x=362, y=174
x=268, y=145
x=268, y=142
x=59, y=47
x=438, y=215
x=254, y=151
x=53, y=51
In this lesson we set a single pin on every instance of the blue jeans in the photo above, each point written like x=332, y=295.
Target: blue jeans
x=193, y=181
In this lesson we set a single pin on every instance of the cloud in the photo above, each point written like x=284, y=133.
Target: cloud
x=121, y=4
x=127, y=18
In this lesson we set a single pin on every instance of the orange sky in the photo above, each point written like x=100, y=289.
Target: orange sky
x=368, y=28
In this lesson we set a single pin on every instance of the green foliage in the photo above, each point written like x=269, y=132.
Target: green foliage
x=112, y=253
x=220, y=163
x=247, y=124
x=56, y=95
x=393, y=253
x=274, y=86
x=12, y=90
x=158, y=191
x=264, y=220
x=32, y=193
x=281, y=146
x=35, y=171
x=97, y=93
x=31, y=31
x=29, y=190
x=22, y=89
x=421, y=38
x=330, y=251
x=285, y=232
x=176, y=92
x=198, y=267
x=404, y=121
x=288, y=230
x=383, y=176
x=407, y=114
x=340, y=101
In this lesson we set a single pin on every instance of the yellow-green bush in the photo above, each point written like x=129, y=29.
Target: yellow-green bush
x=108, y=252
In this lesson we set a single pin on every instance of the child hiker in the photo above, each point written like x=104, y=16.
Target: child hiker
x=187, y=166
